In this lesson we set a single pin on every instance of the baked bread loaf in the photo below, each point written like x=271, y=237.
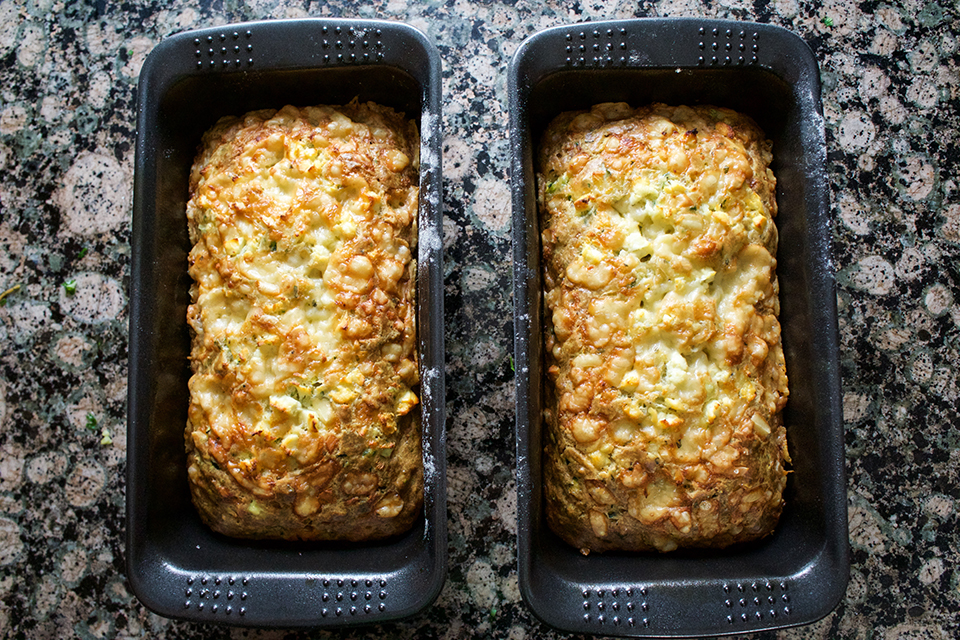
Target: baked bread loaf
x=303, y=420
x=666, y=376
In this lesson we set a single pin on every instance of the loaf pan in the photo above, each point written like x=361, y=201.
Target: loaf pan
x=176, y=565
x=798, y=574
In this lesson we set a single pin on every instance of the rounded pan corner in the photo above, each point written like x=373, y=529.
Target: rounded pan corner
x=537, y=598
x=791, y=40
x=147, y=588
x=542, y=612
x=428, y=593
x=139, y=586
x=153, y=603
x=415, y=35
x=529, y=46
x=159, y=56
x=825, y=580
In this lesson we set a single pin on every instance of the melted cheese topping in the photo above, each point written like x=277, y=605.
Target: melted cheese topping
x=303, y=224
x=661, y=310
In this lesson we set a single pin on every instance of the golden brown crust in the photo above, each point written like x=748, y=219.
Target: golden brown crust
x=303, y=423
x=666, y=372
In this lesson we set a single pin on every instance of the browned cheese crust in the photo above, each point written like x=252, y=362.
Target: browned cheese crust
x=303, y=421
x=666, y=377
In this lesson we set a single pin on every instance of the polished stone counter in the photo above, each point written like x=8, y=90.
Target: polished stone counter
x=68, y=82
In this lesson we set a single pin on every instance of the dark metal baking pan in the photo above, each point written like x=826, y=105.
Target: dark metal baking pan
x=798, y=574
x=177, y=566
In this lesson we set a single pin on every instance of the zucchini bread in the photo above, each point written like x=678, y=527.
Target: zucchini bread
x=303, y=421
x=666, y=375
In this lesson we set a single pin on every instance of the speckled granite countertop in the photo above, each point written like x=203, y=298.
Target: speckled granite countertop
x=67, y=112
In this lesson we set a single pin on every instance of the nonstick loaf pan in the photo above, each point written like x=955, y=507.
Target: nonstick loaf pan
x=176, y=565
x=798, y=574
